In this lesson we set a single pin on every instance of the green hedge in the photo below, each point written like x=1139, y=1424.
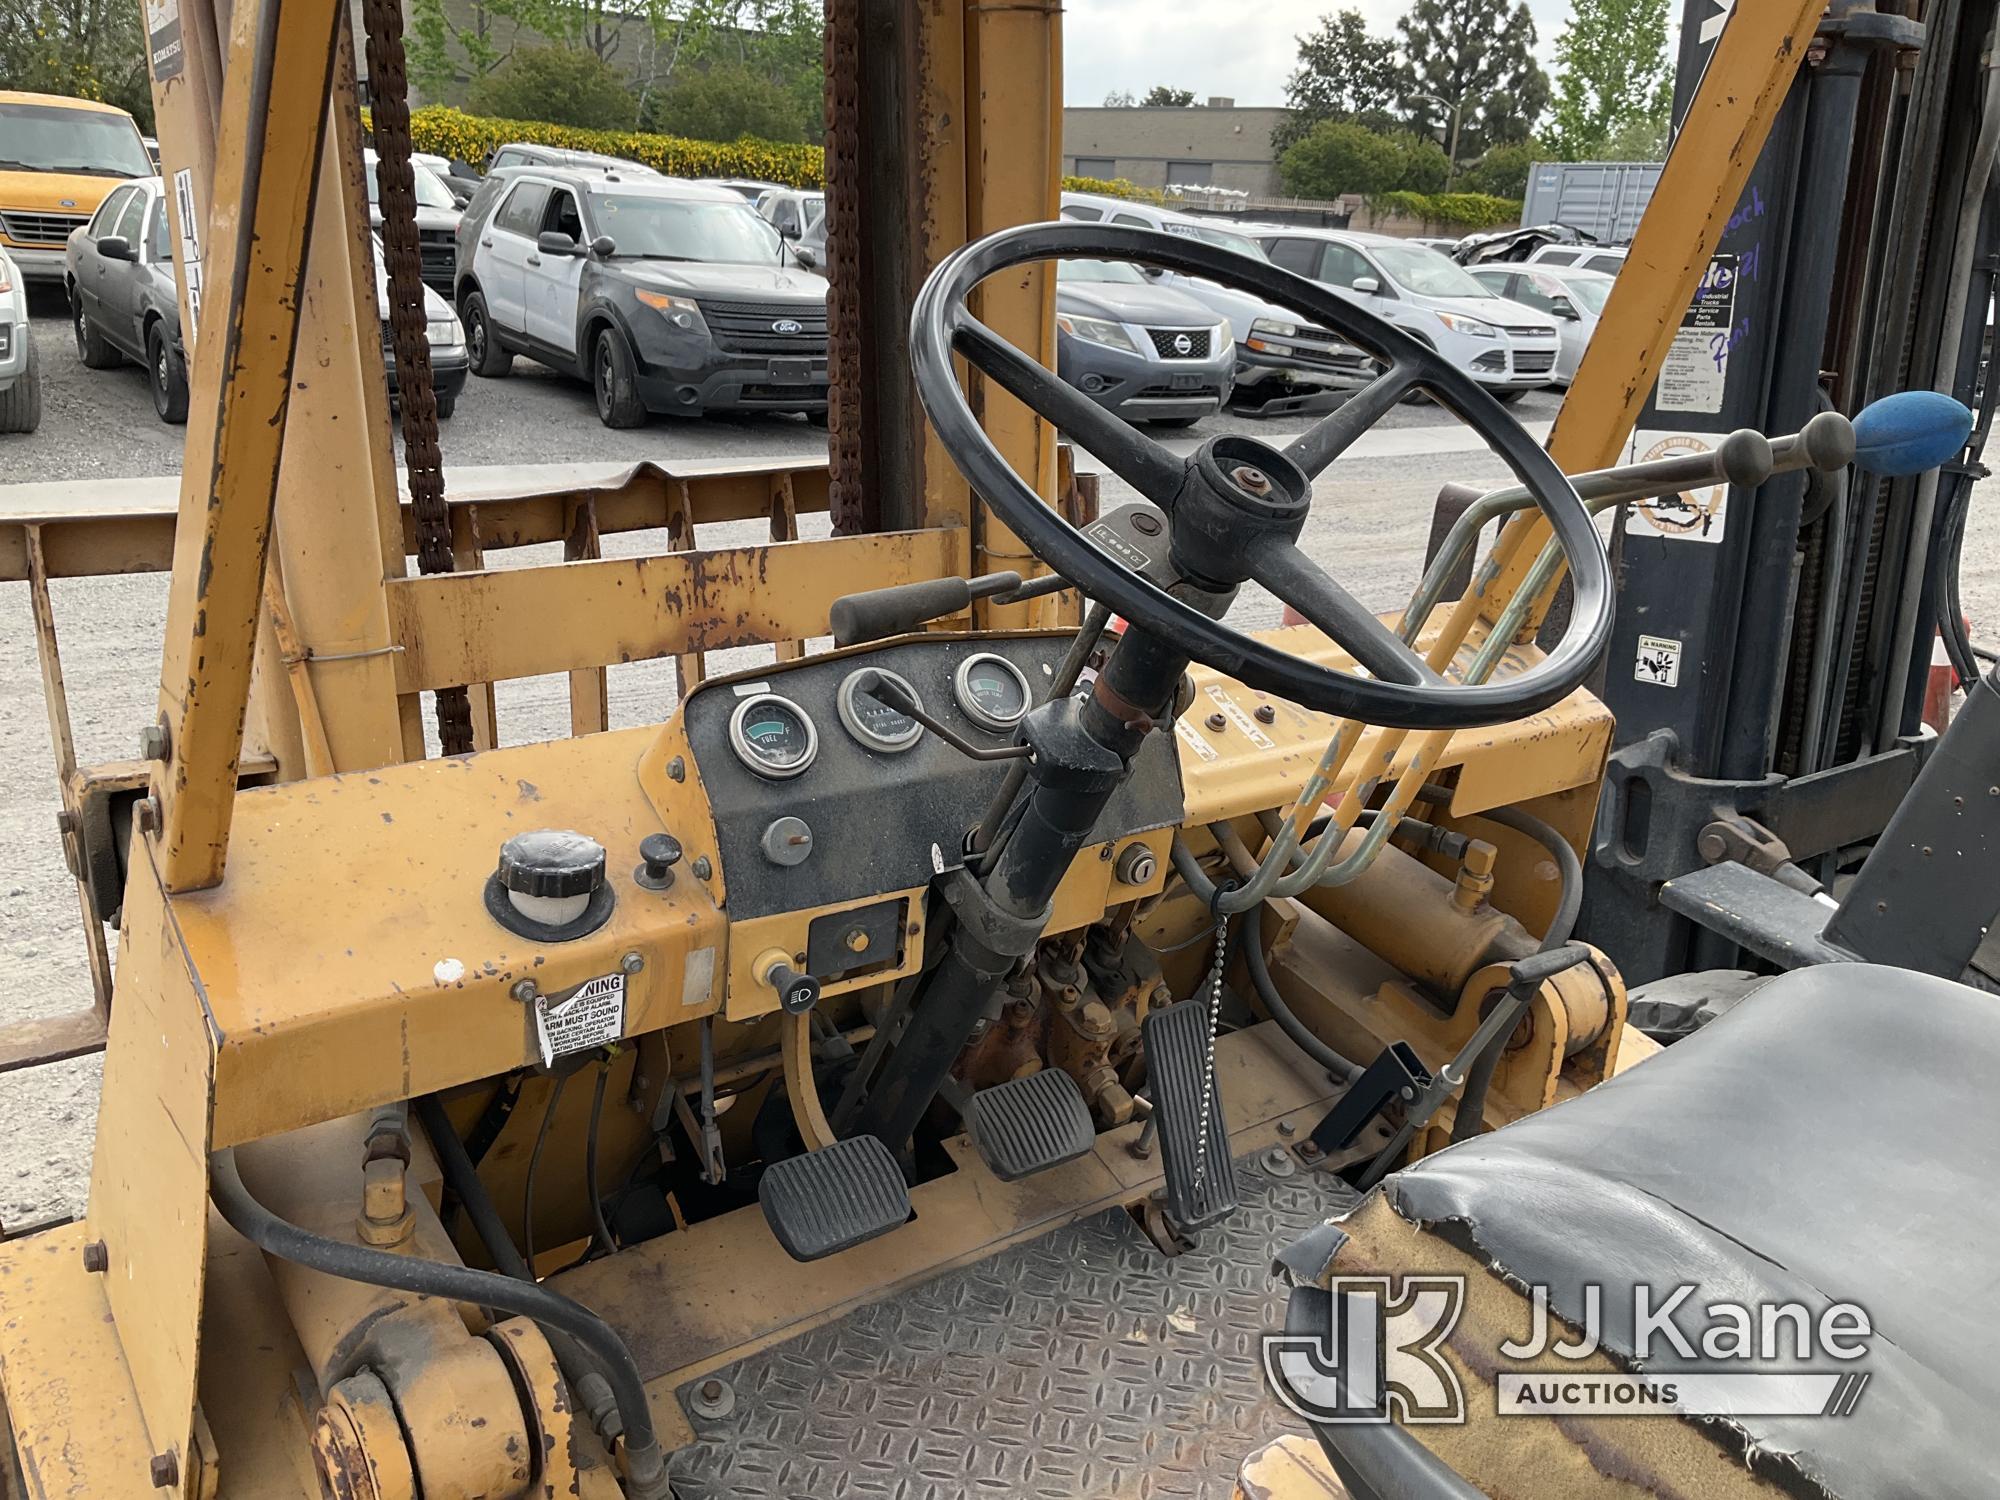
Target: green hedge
x=1450, y=210
x=464, y=137
x=1117, y=187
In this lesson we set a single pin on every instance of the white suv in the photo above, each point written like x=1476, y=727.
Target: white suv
x=1508, y=348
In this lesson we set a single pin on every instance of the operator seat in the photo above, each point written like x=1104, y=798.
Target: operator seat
x=1834, y=1138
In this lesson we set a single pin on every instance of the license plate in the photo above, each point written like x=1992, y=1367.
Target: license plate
x=1187, y=382
x=791, y=371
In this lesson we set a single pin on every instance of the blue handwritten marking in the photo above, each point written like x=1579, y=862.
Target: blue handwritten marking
x=1720, y=344
x=1754, y=209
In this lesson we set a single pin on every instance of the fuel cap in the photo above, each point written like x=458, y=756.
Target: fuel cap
x=551, y=879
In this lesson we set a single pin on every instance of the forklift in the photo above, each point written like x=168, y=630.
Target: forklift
x=896, y=1068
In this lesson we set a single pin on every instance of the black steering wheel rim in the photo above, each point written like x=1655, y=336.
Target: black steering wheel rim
x=941, y=325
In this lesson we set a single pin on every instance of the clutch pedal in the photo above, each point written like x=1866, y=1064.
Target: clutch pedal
x=1028, y=1125
x=1187, y=1106
x=834, y=1198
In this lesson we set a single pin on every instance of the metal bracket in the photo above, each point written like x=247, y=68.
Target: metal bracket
x=1397, y=1076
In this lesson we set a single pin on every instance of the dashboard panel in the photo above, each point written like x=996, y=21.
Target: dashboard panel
x=820, y=794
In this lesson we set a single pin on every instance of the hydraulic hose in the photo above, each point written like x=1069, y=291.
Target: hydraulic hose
x=428, y=1278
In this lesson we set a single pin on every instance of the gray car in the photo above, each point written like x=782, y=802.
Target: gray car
x=123, y=303
x=1148, y=353
x=437, y=222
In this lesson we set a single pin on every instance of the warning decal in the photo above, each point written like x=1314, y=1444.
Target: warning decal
x=589, y=1016
x=1697, y=515
x=1658, y=661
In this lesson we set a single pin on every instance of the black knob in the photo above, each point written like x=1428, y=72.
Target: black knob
x=660, y=852
x=551, y=862
x=797, y=992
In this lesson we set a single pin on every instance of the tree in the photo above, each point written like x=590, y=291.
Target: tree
x=561, y=85
x=1159, y=96
x=1470, y=74
x=1420, y=163
x=1120, y=99
x=1341, y=156
x=724, y=102
x=91, y=49
x=1503, y=171
x=1344, y=73
x=1611, y=72
x=1641, y=138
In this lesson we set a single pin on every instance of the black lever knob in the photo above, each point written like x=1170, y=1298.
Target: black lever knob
x=659, y=853
x=797, y=993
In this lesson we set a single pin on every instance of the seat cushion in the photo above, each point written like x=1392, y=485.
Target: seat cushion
x=1834, y=1138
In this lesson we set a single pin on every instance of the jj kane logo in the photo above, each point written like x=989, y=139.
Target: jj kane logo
x=1381, y=1356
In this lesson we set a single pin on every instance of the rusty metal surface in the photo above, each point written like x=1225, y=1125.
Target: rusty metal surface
x=1083, y=1363
x=848, y=498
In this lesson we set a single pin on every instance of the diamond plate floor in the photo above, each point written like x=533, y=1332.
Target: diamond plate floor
x=1081, y=1364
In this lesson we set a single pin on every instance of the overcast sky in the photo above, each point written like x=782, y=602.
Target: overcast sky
x=1242, y=49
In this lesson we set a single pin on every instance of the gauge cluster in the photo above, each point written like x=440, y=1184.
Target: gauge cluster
x=822, y=791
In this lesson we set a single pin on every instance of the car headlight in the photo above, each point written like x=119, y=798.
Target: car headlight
x=1224, y=335
x=444, y=333
x=1097, y=331
x=1274, y=328
x=682, y=312
x=1471, y=327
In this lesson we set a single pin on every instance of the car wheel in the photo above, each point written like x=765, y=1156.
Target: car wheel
x=615, y=383
x=167, y=375
x=91, y=346
x=485, y=351
x=447, y=405
x=21, y=402
x=1175, y=422
x=1508, y=398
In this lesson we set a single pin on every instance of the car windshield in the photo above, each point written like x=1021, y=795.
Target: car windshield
x=1099, y=270
x=1591, y=291
x=1223, y=239
x=52, y=138
x=430, y=192
x=1427, y=273
x=653, y=228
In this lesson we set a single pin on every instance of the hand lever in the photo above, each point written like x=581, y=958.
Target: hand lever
x=879, y=613
x=891, y=696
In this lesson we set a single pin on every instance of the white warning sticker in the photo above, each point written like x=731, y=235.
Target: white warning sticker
x=1658, y=661
x=189, y=225
x=588, y=1016
x=1239, y=718
x=1192, y=738
x=1695, y=372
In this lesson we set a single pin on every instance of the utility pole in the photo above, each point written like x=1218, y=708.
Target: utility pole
x=1457, y=118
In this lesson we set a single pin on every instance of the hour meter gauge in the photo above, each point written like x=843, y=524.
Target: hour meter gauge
x=773, y=736
x=872, y=721
x=991, y=691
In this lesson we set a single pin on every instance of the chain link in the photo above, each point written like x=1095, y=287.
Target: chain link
x=396, y=186
x=1208, y=1065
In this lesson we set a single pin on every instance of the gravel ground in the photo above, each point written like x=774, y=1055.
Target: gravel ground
x=1368, y=527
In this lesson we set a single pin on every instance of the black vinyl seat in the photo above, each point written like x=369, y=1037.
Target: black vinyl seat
x=1834, y=1138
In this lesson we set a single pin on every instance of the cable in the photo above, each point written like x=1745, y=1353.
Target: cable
x=534, y=1161
x=430, y=1278
x=1343, y=1069
x=601, y=1229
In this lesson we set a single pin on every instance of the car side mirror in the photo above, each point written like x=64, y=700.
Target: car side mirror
x=804, y=257
x=555, y=242
x=1368, y=286
x=1154, y=272
x=116, y=247
x=604, y=247
x=787, y=231
x=1566, y=310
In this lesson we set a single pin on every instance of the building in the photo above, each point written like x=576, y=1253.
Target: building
x=1212, y=145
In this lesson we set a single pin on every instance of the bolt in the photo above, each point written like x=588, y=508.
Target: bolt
x=702, y=868
x=1252, y=481
x=1286, y=1129
x=525, y=991
x=147, y=814
x=677, y=769
x=1217, y=723
x=166, y=1470
x=711, y=1390
x=1145, y=525
x=1711, y=846
x=857, y=940
x=95, y=1257
x=1278, y=1162
x=1406, y=1094
x=1266, y=714
x=1881, y=906
x=712, y=1398
x=1309, y=1150
x=153, y=741
x=632, y=963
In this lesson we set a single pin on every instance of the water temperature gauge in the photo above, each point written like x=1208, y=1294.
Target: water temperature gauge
x=991, y=691
x=773, y=736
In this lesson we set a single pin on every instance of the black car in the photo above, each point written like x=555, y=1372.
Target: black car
x=669, y=297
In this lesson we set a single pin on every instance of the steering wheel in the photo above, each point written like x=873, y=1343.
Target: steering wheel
x=1236, y=505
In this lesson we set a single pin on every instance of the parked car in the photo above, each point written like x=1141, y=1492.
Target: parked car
x=1572, y=296
x=460, y=179
x=1282, y=362
x=526, y=154
x=124, y=302
x=20, y=376
x=59, y=158
x=1517, y=244
x=1507, y=348
x=799, y=216
x=750, y=189
x=1147, y=353
x=667, y=296
x=1609, y=259
x=437, y=222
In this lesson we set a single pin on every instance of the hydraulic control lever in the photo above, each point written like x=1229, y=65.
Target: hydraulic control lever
x=891, y=696
x=880, y=613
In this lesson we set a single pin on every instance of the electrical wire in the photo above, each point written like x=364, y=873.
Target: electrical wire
x=534, y=1162
x=600, y=1229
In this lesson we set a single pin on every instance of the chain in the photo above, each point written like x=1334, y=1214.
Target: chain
x=1208, y=1065
x=396, y=185
x=851, y=506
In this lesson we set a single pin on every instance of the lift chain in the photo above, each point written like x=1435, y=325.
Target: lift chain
x=847, y=500
x=396, y=185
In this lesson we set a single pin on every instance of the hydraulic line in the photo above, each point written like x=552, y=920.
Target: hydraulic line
x=534, y=1164
x=605, y=1244
x=429, y=1278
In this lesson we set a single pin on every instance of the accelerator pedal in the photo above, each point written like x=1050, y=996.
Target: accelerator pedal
x=834, y=1198
x=1028, y=1125
x=1178, y=1071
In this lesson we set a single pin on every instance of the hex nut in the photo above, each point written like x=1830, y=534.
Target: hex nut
x=96, y=1258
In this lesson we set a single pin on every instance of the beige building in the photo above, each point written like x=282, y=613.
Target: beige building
x=1213, y=145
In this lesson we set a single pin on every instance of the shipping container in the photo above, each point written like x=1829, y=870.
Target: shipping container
x=1601, y=198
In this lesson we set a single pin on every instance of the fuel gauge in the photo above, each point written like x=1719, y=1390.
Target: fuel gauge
x=773, y=736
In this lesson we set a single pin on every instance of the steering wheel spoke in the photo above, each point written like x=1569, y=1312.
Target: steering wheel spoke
x=1333, y=434
x=1298, y=581
x=1129, y=453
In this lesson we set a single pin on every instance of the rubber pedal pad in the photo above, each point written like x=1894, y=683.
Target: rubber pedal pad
x=834, y=1198
x=1028, y=1125
x=1177, y=1067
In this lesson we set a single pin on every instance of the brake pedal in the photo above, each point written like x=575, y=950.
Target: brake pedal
x=834, y=1198
x=1201, y=1178
x=1028, y=1125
